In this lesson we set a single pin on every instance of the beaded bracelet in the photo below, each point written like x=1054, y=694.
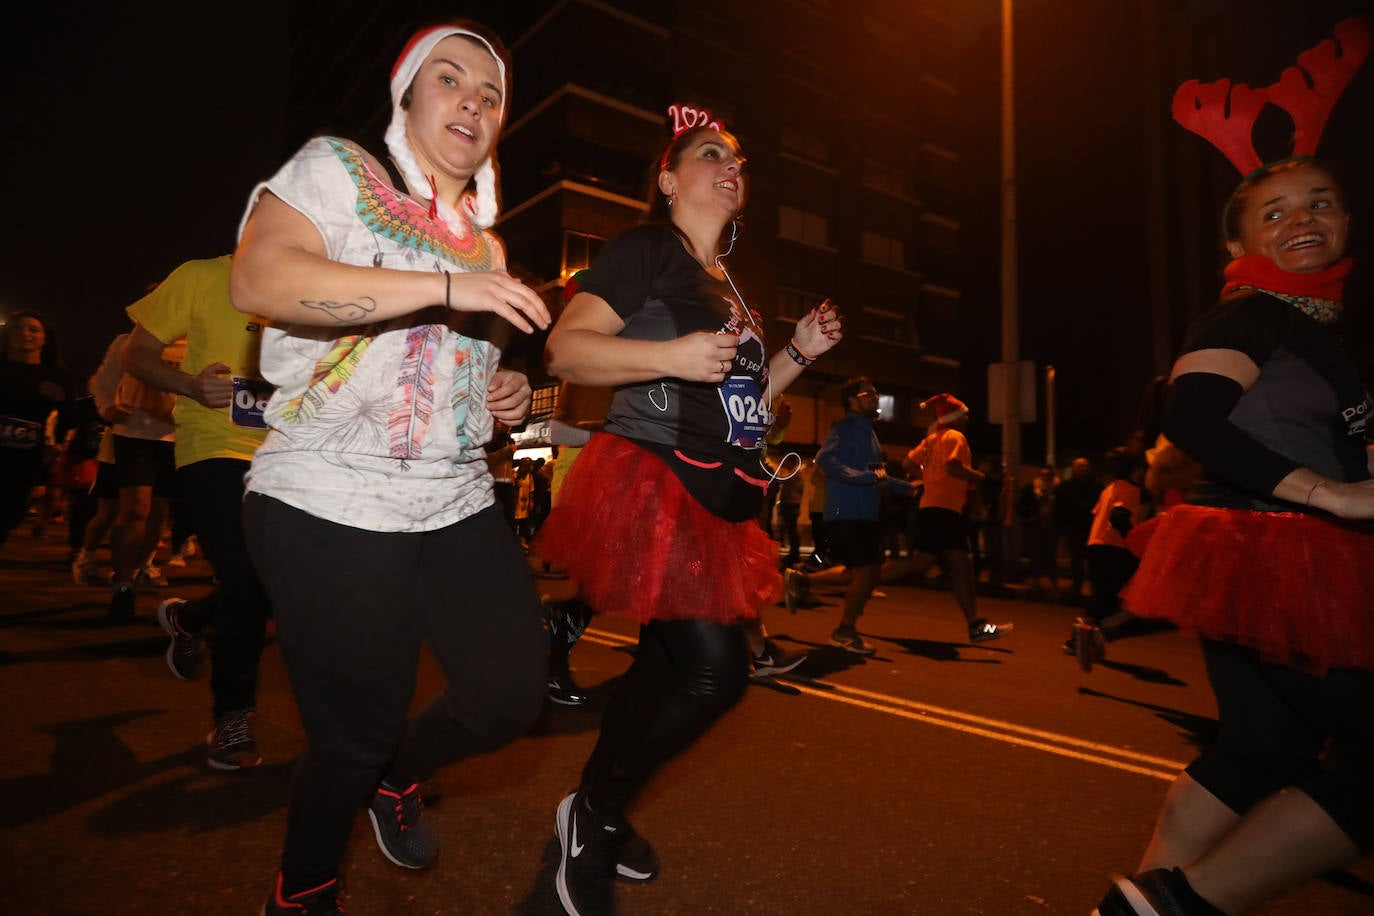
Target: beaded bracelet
x=798, y=357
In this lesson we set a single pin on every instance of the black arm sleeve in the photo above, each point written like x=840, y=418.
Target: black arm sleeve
x=1196, y=419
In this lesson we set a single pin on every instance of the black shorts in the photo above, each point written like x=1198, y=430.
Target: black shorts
x=939, y=530
x=854, y=542
x=146, y=463
x=1280, y=727
x=106, y=484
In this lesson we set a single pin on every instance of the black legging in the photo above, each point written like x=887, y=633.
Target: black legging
x=353, y=608
x=236, y=611
x=20, y=472
x=1283, y=727
x=1111, y=568
x=686, y=675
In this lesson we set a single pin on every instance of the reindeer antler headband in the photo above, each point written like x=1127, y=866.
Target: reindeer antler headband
x=1307, y=92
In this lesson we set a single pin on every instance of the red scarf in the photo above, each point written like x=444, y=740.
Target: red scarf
x=1259, y=272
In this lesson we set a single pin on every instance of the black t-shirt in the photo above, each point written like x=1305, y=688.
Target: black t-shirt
x=711, y=435
x=29, y=393
x=1308, y=404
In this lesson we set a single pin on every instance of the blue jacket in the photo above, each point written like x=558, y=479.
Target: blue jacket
x=851, y=489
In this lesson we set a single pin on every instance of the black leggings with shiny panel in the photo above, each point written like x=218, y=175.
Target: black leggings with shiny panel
x=686, y=675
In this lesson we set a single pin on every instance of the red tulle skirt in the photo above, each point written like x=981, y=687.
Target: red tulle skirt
x=1297, y=588
x=640, y=546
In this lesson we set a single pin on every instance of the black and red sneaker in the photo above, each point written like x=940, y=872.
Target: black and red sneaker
x=318, y=901
x=403, y=833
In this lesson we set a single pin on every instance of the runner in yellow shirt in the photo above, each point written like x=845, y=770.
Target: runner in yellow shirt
x=219, y=426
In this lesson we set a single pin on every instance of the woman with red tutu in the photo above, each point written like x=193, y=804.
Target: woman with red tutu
x=656, y=518
x=1271, y=560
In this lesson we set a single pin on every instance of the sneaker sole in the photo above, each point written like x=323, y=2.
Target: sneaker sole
x=171, y=655
x=1084, y=658
x=1087, y=649
x=636, y=877
x=791, y=596
x=1135, y=898
x=230, y=767
x=377, y=832
x=560, y=826
x=170, y=630
x=866, y=650
x=567, y=702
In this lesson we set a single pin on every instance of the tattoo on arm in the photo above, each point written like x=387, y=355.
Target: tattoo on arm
x=344, y=312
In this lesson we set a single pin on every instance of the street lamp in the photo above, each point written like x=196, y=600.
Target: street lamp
x=1011, y=376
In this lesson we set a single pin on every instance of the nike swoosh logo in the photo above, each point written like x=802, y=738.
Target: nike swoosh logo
x=576, y=846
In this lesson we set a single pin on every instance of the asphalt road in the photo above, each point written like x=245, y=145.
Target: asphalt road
x=934, y=777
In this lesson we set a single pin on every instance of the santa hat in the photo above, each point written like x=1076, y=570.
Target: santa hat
x=947, y=408
x=402, y=74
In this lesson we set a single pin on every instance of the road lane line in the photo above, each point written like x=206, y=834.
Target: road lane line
x=604, y=638
x=997, y=729
x=1013, y=727
x=931, y=719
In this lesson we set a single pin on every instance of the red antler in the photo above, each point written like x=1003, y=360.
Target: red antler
x=1310, y=106
x=1201, y=107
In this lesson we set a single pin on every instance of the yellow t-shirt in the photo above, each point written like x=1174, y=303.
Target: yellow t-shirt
x=194, y=303
x=942, y=491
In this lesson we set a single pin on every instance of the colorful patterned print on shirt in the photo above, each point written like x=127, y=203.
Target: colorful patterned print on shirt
x=469, y=374
x=329, y=376
x=410, y=420
x=397, y=217
x=385, y=212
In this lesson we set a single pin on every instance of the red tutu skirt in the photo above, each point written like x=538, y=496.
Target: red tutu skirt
x=1296, y=588
x=640, y=546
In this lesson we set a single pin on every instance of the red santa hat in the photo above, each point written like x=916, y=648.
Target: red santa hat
x=947, y=408
x=402, y=74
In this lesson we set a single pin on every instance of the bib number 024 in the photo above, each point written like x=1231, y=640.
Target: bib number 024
x=747, y=410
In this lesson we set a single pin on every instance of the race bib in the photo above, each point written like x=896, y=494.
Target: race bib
x=250, y=400
x=746, y=410
x=20, y=434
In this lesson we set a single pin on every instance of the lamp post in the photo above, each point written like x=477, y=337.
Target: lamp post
x=1011, y=387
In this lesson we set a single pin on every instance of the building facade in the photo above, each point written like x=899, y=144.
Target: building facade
x=847, y=113
x=848, y=123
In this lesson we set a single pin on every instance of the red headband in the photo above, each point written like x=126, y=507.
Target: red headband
x=1307, y=92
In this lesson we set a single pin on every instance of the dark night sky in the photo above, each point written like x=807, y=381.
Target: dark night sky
x=137, y=130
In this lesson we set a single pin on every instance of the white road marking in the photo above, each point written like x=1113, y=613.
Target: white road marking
x=997, y=729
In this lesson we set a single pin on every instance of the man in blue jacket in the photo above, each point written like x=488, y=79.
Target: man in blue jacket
x=855, y=471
